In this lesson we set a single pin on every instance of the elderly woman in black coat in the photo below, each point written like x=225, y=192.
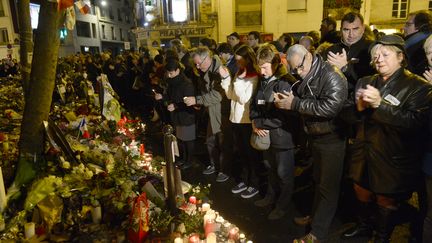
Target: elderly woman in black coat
x=393, y=108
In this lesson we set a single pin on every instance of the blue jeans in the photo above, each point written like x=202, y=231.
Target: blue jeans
x=281, y=176
x=328, y=152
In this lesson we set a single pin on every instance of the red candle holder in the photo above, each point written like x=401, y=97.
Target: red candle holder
x=194, y=238
x=192, y=199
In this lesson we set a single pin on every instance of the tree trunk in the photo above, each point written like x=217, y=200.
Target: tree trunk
x=26, y=42
x=41, y=86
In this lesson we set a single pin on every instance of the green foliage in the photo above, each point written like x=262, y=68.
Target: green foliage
x=160, y=221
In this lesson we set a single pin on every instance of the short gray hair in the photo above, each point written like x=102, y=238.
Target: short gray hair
x=201, y=51
x=296, y=49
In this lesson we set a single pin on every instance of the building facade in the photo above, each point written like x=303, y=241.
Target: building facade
x=107, y=26
x=390, y=15
x=9, y=42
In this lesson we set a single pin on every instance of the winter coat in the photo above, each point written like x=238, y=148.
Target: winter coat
x=281, y=124
x=212, y=96
x=390, y=139
x=179, y=87
x=240, y=93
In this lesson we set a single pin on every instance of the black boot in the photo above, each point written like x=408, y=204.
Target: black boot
x=385, y=224
x=409, y=214
x=363, y=226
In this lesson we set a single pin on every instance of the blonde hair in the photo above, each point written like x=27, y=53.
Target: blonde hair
x=391, y=48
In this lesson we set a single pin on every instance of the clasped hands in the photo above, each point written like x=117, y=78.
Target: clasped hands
x=369, y=97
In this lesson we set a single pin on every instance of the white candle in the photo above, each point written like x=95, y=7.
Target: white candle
x=96, y=214
x=205, y=207
x=29, y=230
x=178, y=240
x=3, y=201
x=211, y=238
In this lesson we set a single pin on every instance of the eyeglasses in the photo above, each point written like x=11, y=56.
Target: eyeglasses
x=299, y=68
x=199, y=64
x=409, y=23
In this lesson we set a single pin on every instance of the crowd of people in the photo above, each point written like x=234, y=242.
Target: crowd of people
x=354, y=98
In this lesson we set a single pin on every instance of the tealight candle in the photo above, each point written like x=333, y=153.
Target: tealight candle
x=211, y=238
x=178, y=240
x=29, y=230
x=205, y=207
x=96, y=214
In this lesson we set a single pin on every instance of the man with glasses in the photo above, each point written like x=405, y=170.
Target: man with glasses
x=417, y=28
x=212, y=97
x=319, y=97
x=253, y=40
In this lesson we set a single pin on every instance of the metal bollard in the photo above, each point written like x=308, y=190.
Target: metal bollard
x=169, y=138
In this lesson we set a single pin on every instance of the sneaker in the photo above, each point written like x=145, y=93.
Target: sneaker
x=276, y=214
x=209, y=170
x=309, y=238
x=239, y=188
x=221, y=177
x=250, y=192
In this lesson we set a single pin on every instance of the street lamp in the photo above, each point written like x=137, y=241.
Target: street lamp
x=103, y=3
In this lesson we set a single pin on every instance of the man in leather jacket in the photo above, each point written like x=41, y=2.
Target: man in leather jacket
x=319, y=97
x=351, y=54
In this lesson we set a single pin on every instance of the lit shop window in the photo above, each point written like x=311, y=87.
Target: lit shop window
x=179, y=13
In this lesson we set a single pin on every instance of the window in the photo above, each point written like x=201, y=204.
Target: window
x=94, y=30
x=430, y=5
x=103, y=32
x=2, y=11
x=400, y=8
x=119, y=15
x=83, y=29
x=248, y=12
x=121, y=35
x=111, y=14
x=4, y=38
x=299, y=5
x=175, y=10
x=103, y=12
x=113, y=37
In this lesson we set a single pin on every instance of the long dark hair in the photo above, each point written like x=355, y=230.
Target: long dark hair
x=248, y=55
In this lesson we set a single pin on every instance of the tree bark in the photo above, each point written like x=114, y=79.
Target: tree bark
x=26, y=42
x=42, y=80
